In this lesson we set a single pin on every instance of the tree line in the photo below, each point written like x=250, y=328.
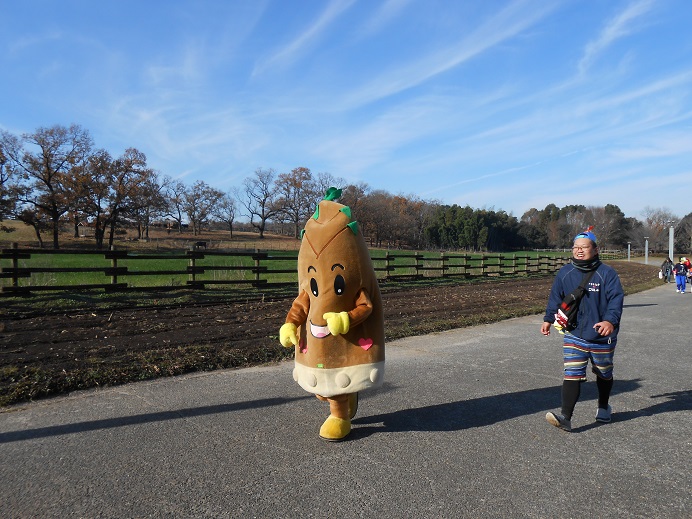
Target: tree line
x=56, y=176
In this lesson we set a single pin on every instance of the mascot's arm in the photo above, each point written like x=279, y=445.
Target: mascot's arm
x=341, y=322
x=297, y=315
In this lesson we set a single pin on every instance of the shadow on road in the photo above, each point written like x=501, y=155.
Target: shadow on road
x=125, y=421
x=481, y=412
x=451, y=416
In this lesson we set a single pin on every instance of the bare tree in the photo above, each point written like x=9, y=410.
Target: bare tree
x=58, y=150
x=295, y=197
x=575, y=219
x=148, y=202
x=419, y=214
x=609, y=224
x=657, y=222
x=321, y=183
x=92, y=190
x=200, y=202
x=8, y=193
x=259, y=199
x=226, y=211
x=129, y=176
x=174, y=193
x=377, y=218
x=354, y=196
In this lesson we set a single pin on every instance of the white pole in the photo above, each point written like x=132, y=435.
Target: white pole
x=646, y=250
x=671, y=233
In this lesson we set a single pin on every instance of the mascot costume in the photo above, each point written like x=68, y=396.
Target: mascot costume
x=336, y=323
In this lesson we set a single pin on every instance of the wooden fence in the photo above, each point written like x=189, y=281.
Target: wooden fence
x=258, y=269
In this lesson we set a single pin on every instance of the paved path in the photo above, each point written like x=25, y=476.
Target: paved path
x=457, y=431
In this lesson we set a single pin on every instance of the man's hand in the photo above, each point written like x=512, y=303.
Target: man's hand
x=604, y=328
x=545, y=328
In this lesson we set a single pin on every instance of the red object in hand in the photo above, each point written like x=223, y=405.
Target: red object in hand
x=561, y=318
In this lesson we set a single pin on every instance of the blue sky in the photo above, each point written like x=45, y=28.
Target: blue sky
x=497, y=104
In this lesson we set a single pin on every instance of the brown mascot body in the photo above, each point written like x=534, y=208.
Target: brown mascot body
x=336, y=323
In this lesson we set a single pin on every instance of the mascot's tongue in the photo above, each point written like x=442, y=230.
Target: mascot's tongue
x=318, y=331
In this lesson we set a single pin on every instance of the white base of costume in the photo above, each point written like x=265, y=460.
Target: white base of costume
x=339, y=381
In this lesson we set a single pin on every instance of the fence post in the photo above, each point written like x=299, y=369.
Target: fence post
x=257, y=267
x=387, y=260
x=114, y=265
x=15, y=266
x=191, y=264
x=443, y=262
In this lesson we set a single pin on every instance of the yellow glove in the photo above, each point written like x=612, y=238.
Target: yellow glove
x=288, y=335
x=337, y=323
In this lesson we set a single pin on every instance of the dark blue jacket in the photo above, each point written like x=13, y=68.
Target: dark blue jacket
x=601, y=302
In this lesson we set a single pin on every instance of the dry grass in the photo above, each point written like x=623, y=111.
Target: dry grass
x=158, y=239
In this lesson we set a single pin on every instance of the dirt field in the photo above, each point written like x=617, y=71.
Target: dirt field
x=49, y=354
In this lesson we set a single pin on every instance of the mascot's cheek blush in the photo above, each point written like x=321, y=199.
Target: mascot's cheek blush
x=366, y=344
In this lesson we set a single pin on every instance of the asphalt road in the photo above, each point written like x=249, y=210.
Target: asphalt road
x=458, y=430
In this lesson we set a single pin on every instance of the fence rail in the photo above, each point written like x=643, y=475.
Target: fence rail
x=114, y=270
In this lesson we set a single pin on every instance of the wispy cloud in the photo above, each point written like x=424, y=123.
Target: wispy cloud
x=291, y=52
x=668, y=144
x=618, y=27
x=187, y=68
x=385, y=14
x=510, y=21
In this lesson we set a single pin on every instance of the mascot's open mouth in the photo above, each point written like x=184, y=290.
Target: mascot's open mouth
x=318, y=331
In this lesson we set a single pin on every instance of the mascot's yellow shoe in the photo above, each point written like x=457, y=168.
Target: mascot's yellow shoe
x=335, y=429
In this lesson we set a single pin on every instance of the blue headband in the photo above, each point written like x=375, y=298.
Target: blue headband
x=586, y=234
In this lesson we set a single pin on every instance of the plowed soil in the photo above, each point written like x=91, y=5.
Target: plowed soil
x=91, y=348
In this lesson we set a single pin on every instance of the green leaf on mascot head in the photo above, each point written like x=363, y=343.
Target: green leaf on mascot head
x=346, y=210
x=332, y=194
x=353, y=226
x=302, y=233
x=316, y=214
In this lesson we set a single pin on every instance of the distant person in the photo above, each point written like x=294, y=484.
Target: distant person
x=593, y=335
x=680, y=269
x=667, y=270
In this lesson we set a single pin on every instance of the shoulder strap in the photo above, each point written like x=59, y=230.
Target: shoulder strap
x=587, y=277
x=581, y=289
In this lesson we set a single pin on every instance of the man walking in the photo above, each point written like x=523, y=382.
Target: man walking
x=592, y=335
x=680, y=270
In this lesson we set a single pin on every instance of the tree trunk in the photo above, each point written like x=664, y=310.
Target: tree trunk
x=38, y=236
x=56, y=228
x=111, y=234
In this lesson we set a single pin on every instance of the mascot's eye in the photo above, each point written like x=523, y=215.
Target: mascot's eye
x=339, y=285
x=313, y=287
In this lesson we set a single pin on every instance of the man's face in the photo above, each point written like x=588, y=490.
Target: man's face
x=583, y=249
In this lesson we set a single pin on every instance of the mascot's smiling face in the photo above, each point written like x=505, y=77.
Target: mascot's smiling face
x=339, y=286
x=329, y=264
